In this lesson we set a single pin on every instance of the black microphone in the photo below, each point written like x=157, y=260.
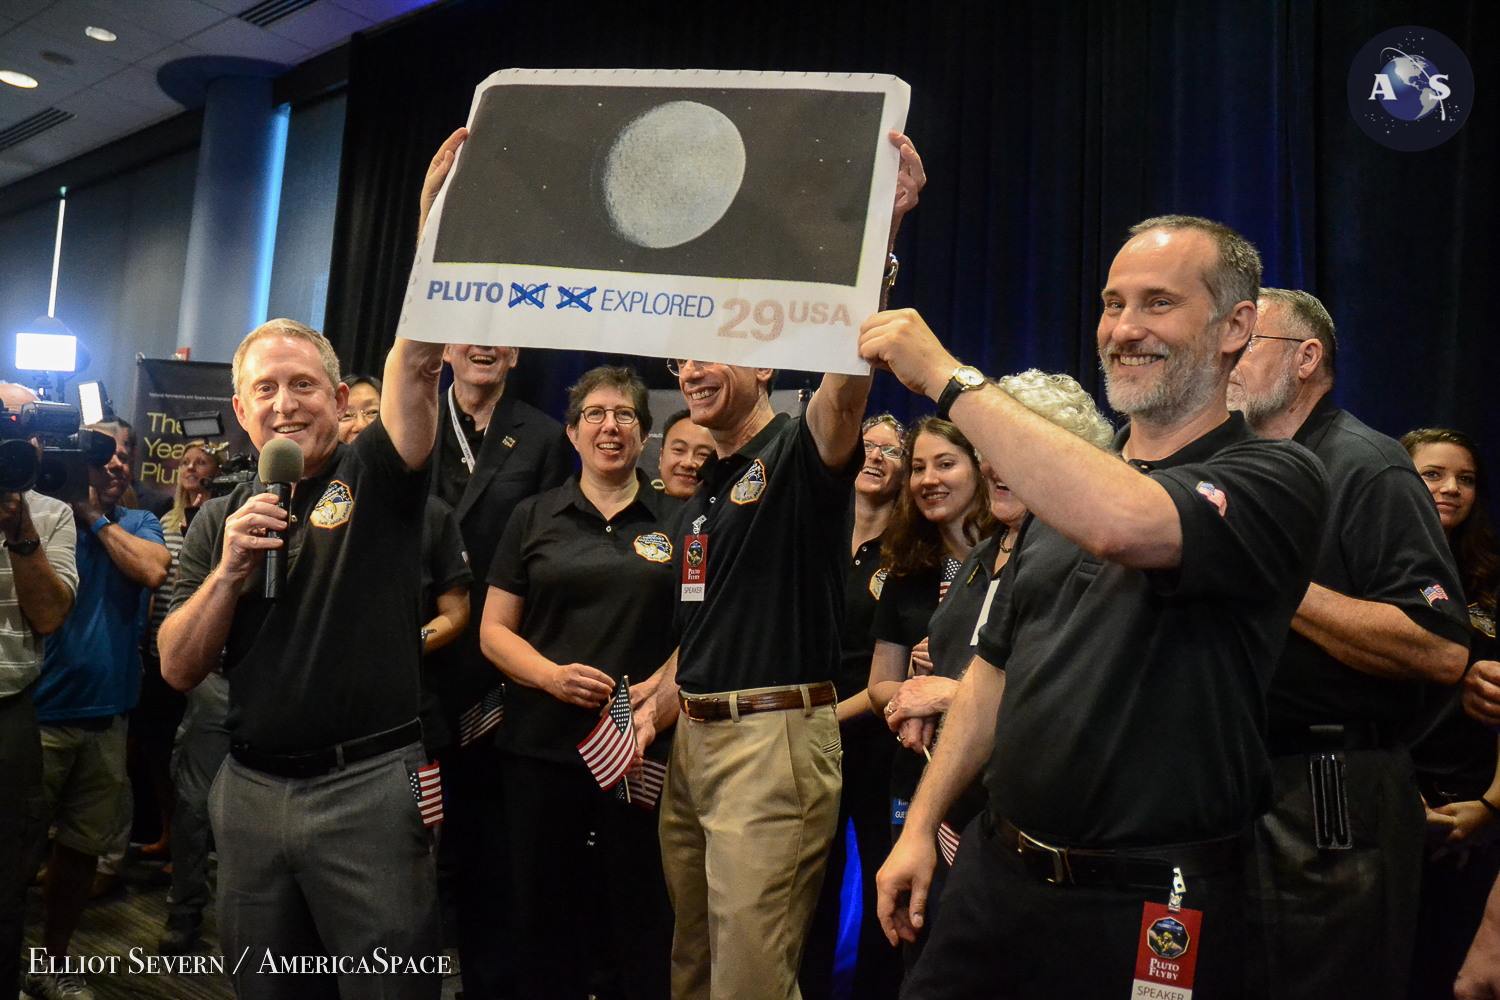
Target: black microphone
x=280, y=468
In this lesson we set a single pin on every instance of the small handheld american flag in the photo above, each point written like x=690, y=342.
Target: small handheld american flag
x=482, y=717
x=646, y=788
x=947, y=839
x=427, y=788
x=609, y=749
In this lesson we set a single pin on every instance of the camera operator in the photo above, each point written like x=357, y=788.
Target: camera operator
x=37, y=579
x=90, y=679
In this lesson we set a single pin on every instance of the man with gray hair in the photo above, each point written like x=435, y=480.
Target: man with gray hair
x=1118, y=688
x=1338, y=856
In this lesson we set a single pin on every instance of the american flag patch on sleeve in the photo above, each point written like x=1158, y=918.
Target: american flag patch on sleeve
x=1434, y=593
x=427, y=789
x=947, y=839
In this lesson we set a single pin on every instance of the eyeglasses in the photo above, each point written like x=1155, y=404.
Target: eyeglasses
x=676, y=365
x=890, y=451
x=625, y=416
x=1265, y=336
x=369, y=415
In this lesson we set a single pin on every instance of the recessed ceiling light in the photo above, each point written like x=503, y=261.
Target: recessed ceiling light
x=100, y=34
x=15, y=79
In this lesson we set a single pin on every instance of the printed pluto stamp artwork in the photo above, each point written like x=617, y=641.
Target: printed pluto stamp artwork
x=725, y=216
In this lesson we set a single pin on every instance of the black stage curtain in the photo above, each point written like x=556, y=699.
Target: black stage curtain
x=1047, y=129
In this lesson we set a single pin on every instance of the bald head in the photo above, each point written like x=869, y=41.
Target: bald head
x=15, y=396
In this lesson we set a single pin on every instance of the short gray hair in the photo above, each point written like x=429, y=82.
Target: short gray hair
x=288, y=328
x=1060, y=399
x=1308, y=313
x=1235, y=275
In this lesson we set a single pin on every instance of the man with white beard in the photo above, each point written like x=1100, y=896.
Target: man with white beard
x=1132, y=635
x=1338, y=856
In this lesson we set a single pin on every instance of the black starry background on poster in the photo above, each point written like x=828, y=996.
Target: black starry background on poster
x=527, y=187
x=1432, y=129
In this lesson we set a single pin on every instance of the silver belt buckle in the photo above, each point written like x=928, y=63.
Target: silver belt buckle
x=1061, y=873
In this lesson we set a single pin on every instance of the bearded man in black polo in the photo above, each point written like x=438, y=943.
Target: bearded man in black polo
x=325, y=856
x=1143, y=610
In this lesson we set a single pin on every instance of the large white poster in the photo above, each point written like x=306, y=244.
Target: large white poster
x=734, y=217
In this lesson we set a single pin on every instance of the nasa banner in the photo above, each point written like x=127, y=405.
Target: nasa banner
x=733, y=217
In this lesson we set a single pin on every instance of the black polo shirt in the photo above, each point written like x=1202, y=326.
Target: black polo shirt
x=863, y=580
x=445, y=565
x=338, y=657
x=1382, y=542
x=773, y=604
x=597, y=592
x=1134, y=699
x=904, y=616
x=952, y=635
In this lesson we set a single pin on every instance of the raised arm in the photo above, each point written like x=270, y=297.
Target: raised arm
x=409, y=404
x=836, y=409
x=1089, y=496
x=45, y=579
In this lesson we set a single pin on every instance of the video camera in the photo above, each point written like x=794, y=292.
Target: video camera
x=60, y=467
x=233, y=469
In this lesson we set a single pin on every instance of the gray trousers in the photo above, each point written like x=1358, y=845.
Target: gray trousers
x=202, y=744
x=1337, y=924
x=337, y=868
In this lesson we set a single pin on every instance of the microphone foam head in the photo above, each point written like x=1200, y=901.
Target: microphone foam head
x=280, y=461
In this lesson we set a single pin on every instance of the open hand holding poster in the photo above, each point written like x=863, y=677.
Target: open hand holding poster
x=734, y=217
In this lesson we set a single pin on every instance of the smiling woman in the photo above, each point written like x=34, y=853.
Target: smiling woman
x=580, y=600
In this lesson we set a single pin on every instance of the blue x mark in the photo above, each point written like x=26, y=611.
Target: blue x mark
x=577, y=297
x=531, y=294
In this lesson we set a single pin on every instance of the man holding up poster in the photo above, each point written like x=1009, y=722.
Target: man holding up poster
x=752, y=794
x=1146, y=603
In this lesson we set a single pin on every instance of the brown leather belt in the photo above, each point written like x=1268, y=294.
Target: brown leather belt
x=716, y=709
x=1144, y=867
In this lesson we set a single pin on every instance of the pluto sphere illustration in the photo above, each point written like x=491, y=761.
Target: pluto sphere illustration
x=672, y=173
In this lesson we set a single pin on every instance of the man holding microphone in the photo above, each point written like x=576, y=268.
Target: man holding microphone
x=323, y=848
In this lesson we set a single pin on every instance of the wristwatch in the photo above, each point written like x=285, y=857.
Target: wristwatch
x=25, y=547
x=892, y=268
x=961, y=381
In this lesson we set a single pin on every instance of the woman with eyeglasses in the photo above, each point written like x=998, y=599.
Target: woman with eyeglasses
x=1456, y=756
x=581, y=596
x=363, y=408
x=868, y=750
x=913, y=707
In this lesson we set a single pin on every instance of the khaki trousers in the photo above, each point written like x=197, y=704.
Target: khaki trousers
x=749, y=810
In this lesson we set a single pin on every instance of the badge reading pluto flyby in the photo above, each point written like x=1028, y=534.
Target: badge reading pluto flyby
x=1168, y=953
x=727, y=216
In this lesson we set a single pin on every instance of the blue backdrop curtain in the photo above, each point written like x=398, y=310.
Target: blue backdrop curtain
x=1046, y=130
